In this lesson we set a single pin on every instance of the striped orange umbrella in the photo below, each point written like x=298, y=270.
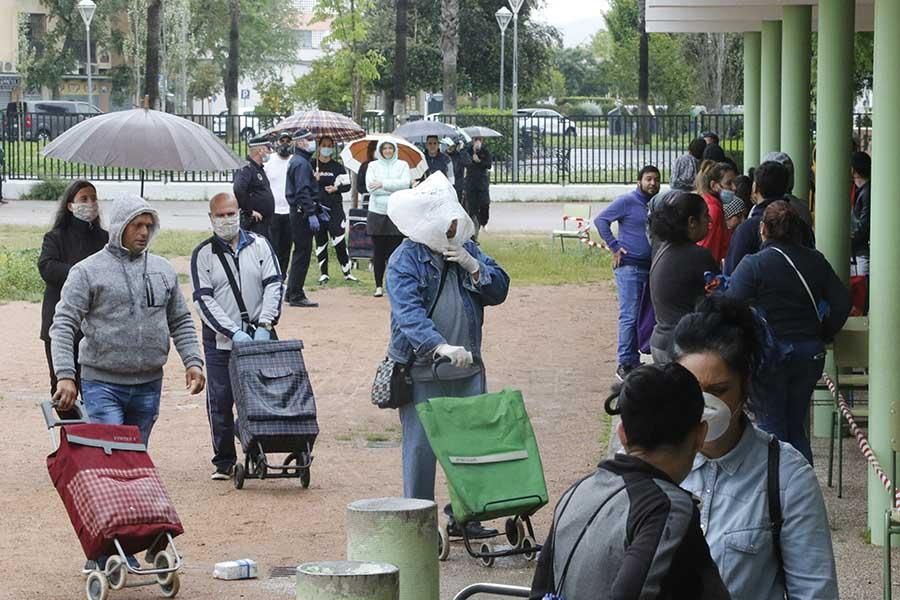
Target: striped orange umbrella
x=357, y=152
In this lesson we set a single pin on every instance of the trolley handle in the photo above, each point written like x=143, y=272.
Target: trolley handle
x=513, y=591
x=476, y=361
x=52, y=419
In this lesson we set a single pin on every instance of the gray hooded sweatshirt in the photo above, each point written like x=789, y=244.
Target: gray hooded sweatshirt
x=127, y=306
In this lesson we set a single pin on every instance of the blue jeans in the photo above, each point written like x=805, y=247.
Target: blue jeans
x=630, y=281
x=783, y=398
x=419, y=462
x=117, y=404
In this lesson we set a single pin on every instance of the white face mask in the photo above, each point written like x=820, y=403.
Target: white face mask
x=86, y=212
x=326, y=151
x=717, y=416
x=477, y=145
x=226, y=228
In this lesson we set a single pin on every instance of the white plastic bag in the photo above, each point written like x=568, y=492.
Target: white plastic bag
x=424, y=214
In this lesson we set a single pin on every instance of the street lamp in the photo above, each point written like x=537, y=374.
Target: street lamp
x=87, y=8
x=515, y=5
x=504, y=16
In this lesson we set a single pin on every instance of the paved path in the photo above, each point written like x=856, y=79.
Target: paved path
x=191, y=215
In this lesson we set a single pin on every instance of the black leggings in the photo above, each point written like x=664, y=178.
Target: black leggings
x=384, y=247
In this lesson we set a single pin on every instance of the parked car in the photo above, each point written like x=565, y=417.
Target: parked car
x=44, y=119
x=545, y=120
x=247, y=122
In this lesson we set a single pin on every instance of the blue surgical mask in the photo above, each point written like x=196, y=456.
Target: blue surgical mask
x=726, y=196
x=328, y=151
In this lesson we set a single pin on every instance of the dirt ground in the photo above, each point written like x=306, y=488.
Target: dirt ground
x=556, y=344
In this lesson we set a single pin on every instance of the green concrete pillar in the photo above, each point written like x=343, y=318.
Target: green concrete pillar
x=770, y=89
x=348, y=580
x=795, y=83
x=834, y=130
x=884, y=331
x=752, y=49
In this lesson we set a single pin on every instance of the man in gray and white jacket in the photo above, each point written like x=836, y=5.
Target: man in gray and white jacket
x=253, y=265
x=128, y=304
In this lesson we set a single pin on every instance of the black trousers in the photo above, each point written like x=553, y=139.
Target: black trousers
x=302, y=236
x=53, y=380
x=336, y=229
x=220, y=405
x=280, y=230
x=258, y=227
x=384, y=246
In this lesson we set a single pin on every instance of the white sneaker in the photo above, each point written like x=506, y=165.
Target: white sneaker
x=220, y=475
x=350, y=277
x=324, y=279
x=379, y=292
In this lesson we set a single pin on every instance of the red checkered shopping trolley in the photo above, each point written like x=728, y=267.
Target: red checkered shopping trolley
x=117, y=504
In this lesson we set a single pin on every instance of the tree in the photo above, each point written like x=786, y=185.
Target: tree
x=151, y=70
x=450, y=51
x=583, y=72
x=718, y=59
x=397, y=99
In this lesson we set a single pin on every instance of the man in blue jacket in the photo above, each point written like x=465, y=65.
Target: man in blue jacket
x=302, y=191
x=630, y=260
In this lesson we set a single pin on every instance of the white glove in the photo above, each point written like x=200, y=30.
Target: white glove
x=459, y=356
x=462, y=257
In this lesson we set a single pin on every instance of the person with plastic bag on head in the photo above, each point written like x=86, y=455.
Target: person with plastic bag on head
x=385, y=175
x=439, y=282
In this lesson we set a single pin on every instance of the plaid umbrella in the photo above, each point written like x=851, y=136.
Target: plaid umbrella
x=321, y=122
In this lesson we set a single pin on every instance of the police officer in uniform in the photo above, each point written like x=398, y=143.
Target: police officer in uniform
x=252, y=189
x=302, y=193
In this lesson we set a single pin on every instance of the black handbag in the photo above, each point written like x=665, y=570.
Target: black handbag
x=392, y=386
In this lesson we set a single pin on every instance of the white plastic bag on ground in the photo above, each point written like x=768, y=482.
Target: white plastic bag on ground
x=424, y=214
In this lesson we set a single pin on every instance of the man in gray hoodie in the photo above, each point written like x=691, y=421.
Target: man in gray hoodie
x=128, y=304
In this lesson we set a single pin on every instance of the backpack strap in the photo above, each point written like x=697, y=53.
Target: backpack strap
x=773, y=492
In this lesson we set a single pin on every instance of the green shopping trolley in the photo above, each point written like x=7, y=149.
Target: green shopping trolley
x=488, y=451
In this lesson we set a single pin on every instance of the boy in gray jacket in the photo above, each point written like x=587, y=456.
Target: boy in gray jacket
x=128, y=304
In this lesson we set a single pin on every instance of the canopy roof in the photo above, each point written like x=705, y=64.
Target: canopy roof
x=708, y=16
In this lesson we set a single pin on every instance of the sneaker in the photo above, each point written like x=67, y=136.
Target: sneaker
x=324, y=278
x=379, y=292
x=303, y=302
x=474, y=530
x=623, y=371
x=350, y=277
x=222, y=473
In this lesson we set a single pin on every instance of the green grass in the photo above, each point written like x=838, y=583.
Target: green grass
x=530, y=259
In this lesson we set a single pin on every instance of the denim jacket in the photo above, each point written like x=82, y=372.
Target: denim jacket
x=413, y=279
x=734, y=515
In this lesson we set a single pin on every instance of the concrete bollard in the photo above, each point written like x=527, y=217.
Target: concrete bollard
x=402, y=532
x=347, y=580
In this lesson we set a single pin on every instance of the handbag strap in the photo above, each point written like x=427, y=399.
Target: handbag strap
x=802, y=280
x=245, y=316
x=773, y=493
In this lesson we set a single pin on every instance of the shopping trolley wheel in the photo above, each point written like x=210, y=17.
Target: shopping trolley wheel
x=443, y=543
x=485, y=550
x=165, y=560
x=304, y=477
x=530, y=548
x=261, y=469
x=515, y=531
x=239, y=474
x=97, y=586
x=116, y=572
x=170, y=590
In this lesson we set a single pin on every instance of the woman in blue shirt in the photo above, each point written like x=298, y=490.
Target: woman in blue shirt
x=723, y=345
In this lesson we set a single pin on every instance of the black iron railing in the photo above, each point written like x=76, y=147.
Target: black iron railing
x=607, y=149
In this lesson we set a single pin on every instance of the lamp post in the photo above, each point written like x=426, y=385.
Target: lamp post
x=87, y=8
x=504, y=16
x=515, y=5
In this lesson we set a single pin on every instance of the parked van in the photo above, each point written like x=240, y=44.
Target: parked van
x=43, y=120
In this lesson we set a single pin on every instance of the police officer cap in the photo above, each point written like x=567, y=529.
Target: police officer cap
x=259, y=140
x=303, y=134
x=284, y=135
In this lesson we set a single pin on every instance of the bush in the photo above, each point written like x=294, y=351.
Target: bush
x=585, y=109
x=19, y=277
x=50, y=189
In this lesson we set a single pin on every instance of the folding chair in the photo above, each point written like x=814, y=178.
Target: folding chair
x=891, y=527
x=851, y=366
x=578, y=215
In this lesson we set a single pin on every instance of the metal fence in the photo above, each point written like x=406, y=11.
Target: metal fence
x=607, y=149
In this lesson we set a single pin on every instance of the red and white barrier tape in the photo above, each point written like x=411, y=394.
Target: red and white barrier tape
x=861, y=440
x=591, y=243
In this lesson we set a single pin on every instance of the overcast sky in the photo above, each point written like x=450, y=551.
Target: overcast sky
x=578, y=20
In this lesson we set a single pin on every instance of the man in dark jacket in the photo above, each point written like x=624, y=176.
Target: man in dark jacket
x=770, y=184
x=860, y=215
x=302, y=192
x=460, y=161
x=252, y=189
x=478, y=183
x=437, y=159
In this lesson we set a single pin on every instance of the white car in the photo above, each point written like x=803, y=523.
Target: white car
x=545, y=120
x=247, y=121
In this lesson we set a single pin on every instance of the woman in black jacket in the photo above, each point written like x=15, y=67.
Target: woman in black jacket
x=333, y=182
x=677, y=270
x=478, y=183
x=75, y=235
x=806, y=304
